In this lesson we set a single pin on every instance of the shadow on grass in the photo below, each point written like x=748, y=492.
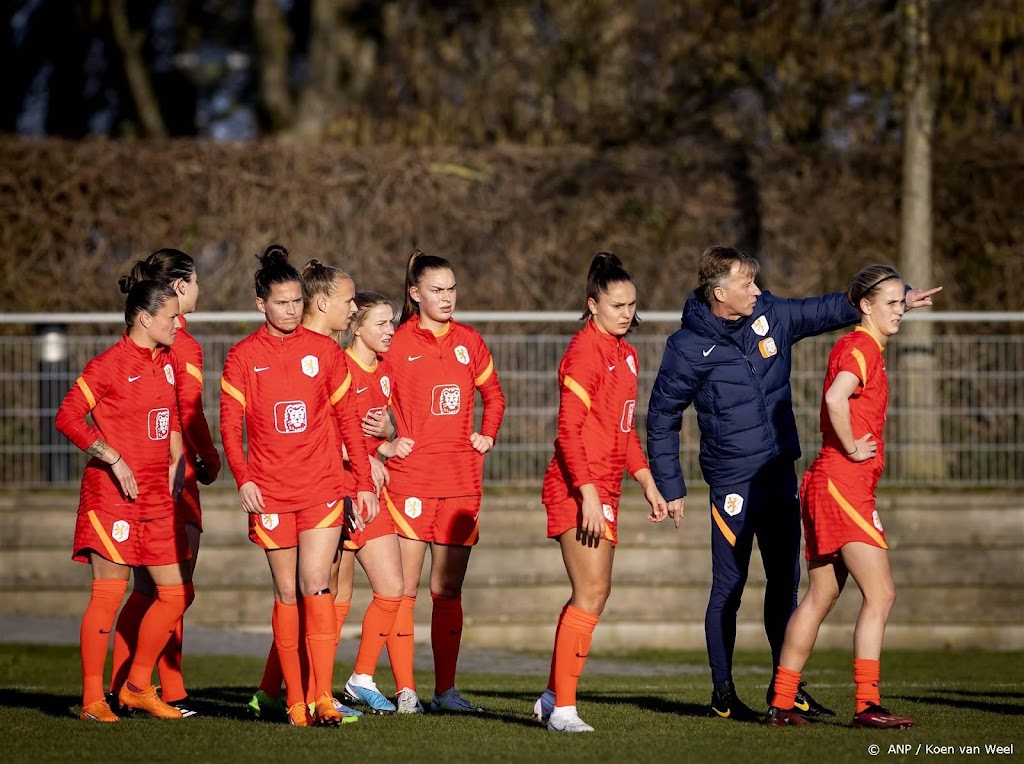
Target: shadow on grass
x=940, y=699
x=51, y=704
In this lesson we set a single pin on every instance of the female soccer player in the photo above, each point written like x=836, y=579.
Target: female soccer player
x=202, y=464
x=376, y=548
x=843, y=532
x=276, y=382
x=126, y=515
x=596, y=440
x=435, y=490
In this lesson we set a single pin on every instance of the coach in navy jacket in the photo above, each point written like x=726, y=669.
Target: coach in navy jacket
x=732, y=359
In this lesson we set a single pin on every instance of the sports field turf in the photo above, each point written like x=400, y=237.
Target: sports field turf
x=958, y=699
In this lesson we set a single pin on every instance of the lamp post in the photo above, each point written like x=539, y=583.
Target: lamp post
x=53, y=384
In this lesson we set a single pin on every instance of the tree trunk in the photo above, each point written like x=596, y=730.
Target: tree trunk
x=919, y=432
x=321, y=91
x=129, y=42
x=273, y=42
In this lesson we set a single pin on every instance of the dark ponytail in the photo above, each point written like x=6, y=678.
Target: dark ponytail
x=419, y=263
x=145, y=296
x=275, y=269
x=606, y=269
x=165, y=265
x=867, y=281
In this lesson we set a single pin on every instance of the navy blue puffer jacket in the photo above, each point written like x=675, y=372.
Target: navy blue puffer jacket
x=738, y=381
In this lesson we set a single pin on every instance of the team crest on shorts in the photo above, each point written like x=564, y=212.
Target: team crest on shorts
x=270, y=521
x=169, y=373
x=760, y=326
x=462, y=355
x=385, y=386
x=767, y=347
x=159, y=424
x=733, y=504
x=876, y=520
x=120, y=530
x=631, y=364
x=310, y=365
x=609, y=512
x=290, y=417
x=413, y=507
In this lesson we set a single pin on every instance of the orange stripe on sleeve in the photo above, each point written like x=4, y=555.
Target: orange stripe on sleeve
x=338, y=394
x=84, y=387
x=722, y=526
x=486, y=374
x=195, y=372
x=233, y=391
x=398, y=518
x=577, y=388
x=861, y=364
x=108, y=544
x=863, y=524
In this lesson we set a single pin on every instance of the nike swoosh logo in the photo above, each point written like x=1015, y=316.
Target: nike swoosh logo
x=132, y=379
x=708, y=351
x=582, y=656
x=400, y=634
x=725, y=715
x=362, y=390
x=379, y=634
x=104, y=631
x=258, y=369
x=415, y=357
x=611, y=368
x=805, y=706
x=331, y=503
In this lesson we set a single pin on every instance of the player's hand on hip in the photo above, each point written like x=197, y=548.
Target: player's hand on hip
x=864, y=448
x=252, y=498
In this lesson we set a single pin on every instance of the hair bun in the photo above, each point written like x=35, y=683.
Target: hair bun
x=607, y=258
x=273, y=255
x=125, y=284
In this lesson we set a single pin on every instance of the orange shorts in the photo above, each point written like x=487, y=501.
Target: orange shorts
x=382, y=525
x=280, y=530
x=836, y=514
x=129, y=541
x=454, y=520
x=568, y=515
x=187, y=507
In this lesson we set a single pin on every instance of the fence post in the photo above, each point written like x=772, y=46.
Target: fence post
x=53, y=384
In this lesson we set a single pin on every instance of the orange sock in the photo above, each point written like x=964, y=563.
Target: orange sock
x=285, y=623
x=341, y=610
x=402, y=645
x=867, y=674
x=168, y=665
x=378, y=622
x=97, y=623
x=445, y=640
x=321, y=641
x=272, y=677
x=156, y=627
x=126, y=636
x=571, y=649
x=558, y=628
x=787, y=685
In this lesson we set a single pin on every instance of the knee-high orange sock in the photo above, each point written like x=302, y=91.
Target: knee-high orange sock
x=94, y=636
x=285, y=623
x=126, y=636
x=321, y=640
x=787, y=685
x=154, y=631
x=402, y=645
x=272, y=677
x=571, y=649
x=378, y=622
x=558, y=628
x=867, y=674
x=445, y=640
x=341, y=611
x=168, y=665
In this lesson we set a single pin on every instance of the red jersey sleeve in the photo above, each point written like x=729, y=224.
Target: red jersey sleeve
x=232, y=415
x=343, y=400
x=578, y=377
x=79, y=401
x=194, y=426
x=486, y=381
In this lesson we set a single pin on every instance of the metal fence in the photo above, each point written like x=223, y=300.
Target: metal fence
x=979, y=380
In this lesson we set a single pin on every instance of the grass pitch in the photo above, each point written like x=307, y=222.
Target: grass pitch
x=958, y=699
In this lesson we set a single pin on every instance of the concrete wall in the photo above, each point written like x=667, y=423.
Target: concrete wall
x=958, y=561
